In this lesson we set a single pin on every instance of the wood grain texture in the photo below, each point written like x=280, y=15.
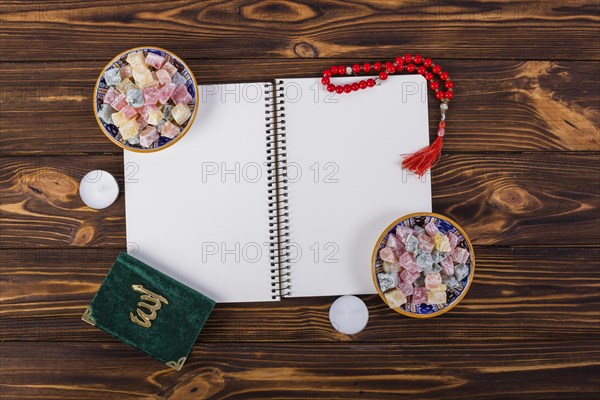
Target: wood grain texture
x=298, y=29
x=499, y=105
x=512, y=199
x=517, y=293
x=413, y=369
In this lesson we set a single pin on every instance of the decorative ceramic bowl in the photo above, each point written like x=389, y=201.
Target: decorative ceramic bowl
x=444, y=225
x=112, y=132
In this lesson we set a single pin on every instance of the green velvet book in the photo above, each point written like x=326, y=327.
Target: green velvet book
x=149, y=310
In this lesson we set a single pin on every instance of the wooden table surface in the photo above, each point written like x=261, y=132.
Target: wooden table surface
x=520, y=172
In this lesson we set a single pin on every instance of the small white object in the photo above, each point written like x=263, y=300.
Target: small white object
x=349, y=315
x=98, y=189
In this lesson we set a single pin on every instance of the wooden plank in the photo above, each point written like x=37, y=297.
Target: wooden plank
x=518, y=293
x=412, y=369
x=500, y=199
x=292, y=29
x=499, y=106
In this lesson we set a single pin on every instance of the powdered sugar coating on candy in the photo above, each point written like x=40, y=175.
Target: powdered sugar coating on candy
x=428, y=263
x=139, y=83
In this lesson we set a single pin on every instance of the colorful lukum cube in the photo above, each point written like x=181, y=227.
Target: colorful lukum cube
x=163, y=76
x=426, y=264
x=119, y=119
x=148, y=136
x=154, y=117
x=395, y=298
x=112, y=77
x=181, y=113
x=146, y=94
x=170, y=130
x=129, y=129
x=181, y=95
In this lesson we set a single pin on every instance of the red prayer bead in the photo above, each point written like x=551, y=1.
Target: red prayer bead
x=339, y=89
x=331, y=87
x=366, y=67
x=436, y=69
x=439, y=95
x=421, y=70
x=327, y=73
x=433, y=85
x=407, y=58
x=399, y=67
x=389, y=67
x=342, y=70
x=449, y=95
x=356, y=68
x=377, y=66
x=334, y=70
x=444, y=76
x=362, y=84
x=442, y=124
x=370, y=82
x=347, y=88
x=428, y=76
x=418, y=59
x=449, y=84
x=410, y=67
x=325, y=81
x=383, y=75
x=427, y=62
x=355, y=86
x=399, y=60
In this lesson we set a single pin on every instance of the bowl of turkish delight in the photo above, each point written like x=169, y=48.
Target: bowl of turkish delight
x=145, y=99
x=423, y=265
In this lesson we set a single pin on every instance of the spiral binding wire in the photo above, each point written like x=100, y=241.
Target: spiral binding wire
x=279, y=243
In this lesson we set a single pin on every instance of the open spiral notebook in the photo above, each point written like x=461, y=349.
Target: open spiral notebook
x=279, y=189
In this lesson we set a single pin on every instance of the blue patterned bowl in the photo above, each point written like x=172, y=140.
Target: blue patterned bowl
x=444, y=225
x=112, y=132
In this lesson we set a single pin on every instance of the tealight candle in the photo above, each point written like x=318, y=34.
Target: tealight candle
x=98, y=189
x=349, y=315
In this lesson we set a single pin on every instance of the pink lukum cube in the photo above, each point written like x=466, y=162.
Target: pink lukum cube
x=460, y=255
x=407, y=260
x=170, y=130
x=181, y=95
x=166, y=92
x=388, y=254
x=155, y=60
x=419, y=295
x=431, y=229
x=151, y=95
x=406, y=288
x=126, y=71
x=170, y=68
x=426, y=243
x=142, y=121
x=111, y=95
x=453, y=239
x=447, y=265
x=403, y=231
x=148, y=136
x=128, y=112
x=433, y=281
x=144, y=111
x=120, y=103
x=163, y=76
x=393, y=242
x=409, y=276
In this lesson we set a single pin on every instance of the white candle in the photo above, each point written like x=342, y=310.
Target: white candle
x=349, y=315
x=98, y=189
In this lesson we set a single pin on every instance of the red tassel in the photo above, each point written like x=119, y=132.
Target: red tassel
x=421, y=161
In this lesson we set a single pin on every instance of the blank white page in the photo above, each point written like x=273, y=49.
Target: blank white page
x=198, y=210
x=346, y=183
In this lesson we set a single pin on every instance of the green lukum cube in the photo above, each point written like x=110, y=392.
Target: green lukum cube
x=149, y=310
